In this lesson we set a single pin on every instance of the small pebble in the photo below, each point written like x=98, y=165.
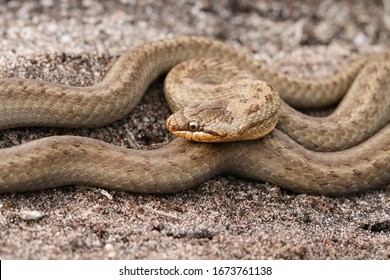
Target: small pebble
x=109, y=250
x=30, y=215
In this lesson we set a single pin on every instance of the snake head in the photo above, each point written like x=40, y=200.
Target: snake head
x=228, y=120
x=202, y=123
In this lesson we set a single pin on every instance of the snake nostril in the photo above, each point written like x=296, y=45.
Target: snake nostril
x=172, y=123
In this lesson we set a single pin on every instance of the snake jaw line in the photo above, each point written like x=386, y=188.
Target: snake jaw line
x=200, y=133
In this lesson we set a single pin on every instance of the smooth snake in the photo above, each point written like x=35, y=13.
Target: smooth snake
x=356, y=136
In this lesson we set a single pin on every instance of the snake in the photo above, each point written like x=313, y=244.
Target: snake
x=363, y=110
x=345, y=152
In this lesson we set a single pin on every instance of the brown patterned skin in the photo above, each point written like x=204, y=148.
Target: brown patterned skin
x=181, y=164
x=363, y=111
x=56, y=161
x=40, y=103
x=248, y=110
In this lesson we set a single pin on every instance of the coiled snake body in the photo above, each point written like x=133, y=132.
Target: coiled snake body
x=356, y=136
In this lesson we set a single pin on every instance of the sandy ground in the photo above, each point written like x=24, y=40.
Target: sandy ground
x=76, y=42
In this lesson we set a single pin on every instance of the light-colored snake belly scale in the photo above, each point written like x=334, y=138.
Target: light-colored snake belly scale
x=356, y=135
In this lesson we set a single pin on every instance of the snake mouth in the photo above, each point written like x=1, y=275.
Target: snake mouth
x=202, y=135
x=199, y=136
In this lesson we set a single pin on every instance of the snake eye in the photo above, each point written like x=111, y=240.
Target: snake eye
x=193, y=126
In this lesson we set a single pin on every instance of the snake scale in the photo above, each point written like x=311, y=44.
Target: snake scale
x=347, y=151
